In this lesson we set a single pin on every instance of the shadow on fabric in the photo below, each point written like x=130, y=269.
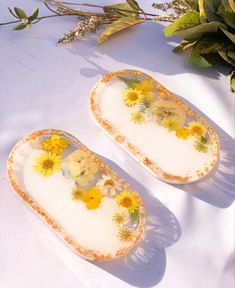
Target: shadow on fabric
x=218, y=187
x=144, y=266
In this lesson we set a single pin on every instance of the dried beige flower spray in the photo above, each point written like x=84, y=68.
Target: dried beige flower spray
x=207, y=27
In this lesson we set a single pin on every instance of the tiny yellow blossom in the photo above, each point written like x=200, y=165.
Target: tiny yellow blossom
x=120, y=218
x=182, y=133
x=125, y=234
x=137, y=117
x=171, y=124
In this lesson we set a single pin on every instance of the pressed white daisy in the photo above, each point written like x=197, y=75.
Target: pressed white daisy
x=108, y=186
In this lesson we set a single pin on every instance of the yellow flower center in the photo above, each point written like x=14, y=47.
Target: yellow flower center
x=109, y=182
x=126, y=202
x=47, y=164
x=197, y=130
x=132, y=96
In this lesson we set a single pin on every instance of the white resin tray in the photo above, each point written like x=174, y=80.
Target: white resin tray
x=83, y=201
x=155, y=127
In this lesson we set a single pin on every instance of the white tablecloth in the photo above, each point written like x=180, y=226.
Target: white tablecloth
x=190, y=229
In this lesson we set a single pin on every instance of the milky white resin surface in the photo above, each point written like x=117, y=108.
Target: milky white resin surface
x=91, y=229
x=173, y=155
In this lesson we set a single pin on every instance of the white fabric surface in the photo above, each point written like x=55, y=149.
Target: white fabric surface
x=190, y=229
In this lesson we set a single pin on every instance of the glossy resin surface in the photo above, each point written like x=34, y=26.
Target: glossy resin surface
x=161, y=132
x=86, y=203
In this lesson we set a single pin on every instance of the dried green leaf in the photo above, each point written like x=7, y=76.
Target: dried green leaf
x=226, y=58
x=232, y=5
x=184, y=45
x=231, y=54
x=34, y=15
x=189, y=19
x=20, y=26
x=114, y=9
x=20, y=13
x=134, y=5
x=231, y=78
x=117, y=26
x=230, y=35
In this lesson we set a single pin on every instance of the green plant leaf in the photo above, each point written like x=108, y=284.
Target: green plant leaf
x=231, y=78
x=211, y=44
x=201, y=29
x=20, y=13
x=121, y=6
x=210, y=10
x=230, y=35
x=202, y=9
x=205, y=60
x=226, y=58
x=232, y=5
x=21, y=26
x=189, y=19
x=34, y=15
x=117, y=26
x=184, y=45
x=133, y=4
x=231, y=54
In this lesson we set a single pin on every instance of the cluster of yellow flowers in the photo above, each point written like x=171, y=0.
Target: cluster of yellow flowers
x=166, y=113
x=49, y=162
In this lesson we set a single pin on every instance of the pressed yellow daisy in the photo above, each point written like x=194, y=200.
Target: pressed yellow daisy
x=81, y=167
x=132, y=97
x=145, y=85
x=137, y=117
x=171, y=124
x=163, y=109
x=92, y=197
x=55, y=144
x=128, y=200
x=47, y=163
x=200, y=146
x=120, y=218
x=197, y=129
x=182, y=133
x=77, y=193
x=125, y=234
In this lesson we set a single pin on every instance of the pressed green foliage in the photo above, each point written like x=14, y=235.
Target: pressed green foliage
x=133, y=4
x=116, y=26
x=118, y=9
x=187, y=20
x=20, y=13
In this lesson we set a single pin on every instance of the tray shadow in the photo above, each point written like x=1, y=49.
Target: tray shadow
x=145, y=265
x=218, y=187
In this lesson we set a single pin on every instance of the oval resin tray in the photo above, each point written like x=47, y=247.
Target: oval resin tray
x=86, y=204
x=160, y=131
